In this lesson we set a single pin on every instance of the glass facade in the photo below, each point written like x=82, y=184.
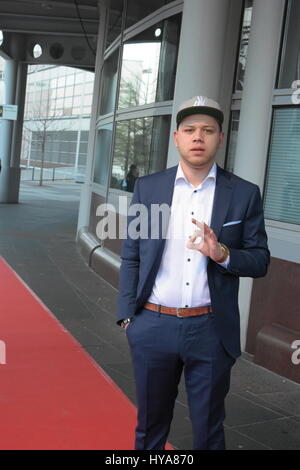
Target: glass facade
x=109, y=83
x=231, y=149
x=290, y=61
x=103, y=149
x=282, y=192
x=243, y=48
x=136, y=145
x=138, y=149
x=139, y=74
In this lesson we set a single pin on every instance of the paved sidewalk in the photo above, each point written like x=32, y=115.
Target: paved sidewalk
x=37, y=238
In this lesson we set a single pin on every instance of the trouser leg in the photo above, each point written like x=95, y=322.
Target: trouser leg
x=157, y=369
x=207, y=375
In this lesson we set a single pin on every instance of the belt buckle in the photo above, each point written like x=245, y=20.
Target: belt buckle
x=177, y=312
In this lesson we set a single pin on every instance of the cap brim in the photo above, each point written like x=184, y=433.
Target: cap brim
x=215, y=113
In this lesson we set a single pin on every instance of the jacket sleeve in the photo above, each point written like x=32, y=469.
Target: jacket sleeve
x=129, y=271
x=252, y=259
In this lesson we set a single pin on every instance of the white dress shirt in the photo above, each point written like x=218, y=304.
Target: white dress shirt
x=181, y=280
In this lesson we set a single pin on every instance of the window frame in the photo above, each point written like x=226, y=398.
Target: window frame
x=148, y=110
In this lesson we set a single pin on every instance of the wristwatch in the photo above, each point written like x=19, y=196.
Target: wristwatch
x=125, y=322
x=225, y=251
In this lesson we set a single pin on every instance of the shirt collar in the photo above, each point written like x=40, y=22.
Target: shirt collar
x=180, y=176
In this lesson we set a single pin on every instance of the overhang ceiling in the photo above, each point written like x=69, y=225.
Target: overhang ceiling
x=56, y=17
x=67, y=27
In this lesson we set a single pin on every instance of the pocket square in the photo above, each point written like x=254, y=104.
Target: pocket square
x=234, y=222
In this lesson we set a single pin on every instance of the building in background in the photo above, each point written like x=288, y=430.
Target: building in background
x=56, y=121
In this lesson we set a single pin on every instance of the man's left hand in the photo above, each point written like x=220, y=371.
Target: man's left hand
x=209, y=245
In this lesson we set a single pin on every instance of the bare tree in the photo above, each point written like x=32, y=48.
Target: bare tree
x=42, y=122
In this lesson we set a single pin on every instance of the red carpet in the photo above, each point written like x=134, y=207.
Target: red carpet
x=52, y=394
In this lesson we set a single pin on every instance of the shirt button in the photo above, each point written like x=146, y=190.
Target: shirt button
x=186, y=306
x=187, y=283
x=195, y=191
x=189, y=259
x=192, y=213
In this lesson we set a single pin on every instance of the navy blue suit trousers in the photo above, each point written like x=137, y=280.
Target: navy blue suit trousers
x=162, y=347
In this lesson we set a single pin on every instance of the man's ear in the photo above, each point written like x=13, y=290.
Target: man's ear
x=221, y=138
x=175, y=138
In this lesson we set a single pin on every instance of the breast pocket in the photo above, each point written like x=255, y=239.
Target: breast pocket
x=231, y=233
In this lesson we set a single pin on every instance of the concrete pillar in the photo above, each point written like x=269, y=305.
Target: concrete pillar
x=8, y=176
x=260, y=75
x=18, y=124
x=200, y=55
x=256, y=109
x=16, y=144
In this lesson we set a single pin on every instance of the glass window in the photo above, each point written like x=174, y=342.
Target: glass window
x=78, y=89
x=69, y=91
x=282, y=194
x=149, y=64
x=231, y=149
x=136, y=11
x=102, y=154
x=70, y=78
x=77, y=101
x=140, y=148
x=290, y=62
x=109, y=83
x=244, y=41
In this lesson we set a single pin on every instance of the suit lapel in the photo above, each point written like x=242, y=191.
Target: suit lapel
x=222, y=200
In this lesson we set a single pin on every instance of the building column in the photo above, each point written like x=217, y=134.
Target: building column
x=200, y=55
x=256, y=109
x=16, y=145
x=8, y=175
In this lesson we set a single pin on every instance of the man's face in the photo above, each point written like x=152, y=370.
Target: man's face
x=198, y=138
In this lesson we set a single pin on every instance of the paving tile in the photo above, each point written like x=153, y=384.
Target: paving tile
x=247, y=376
x=241, y=411
x=237, y=441
x=278, y=434
x=288, y=402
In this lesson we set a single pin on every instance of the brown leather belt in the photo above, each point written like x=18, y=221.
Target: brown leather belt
x=178, y=312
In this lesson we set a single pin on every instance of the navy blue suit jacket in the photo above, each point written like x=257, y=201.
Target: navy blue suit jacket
x=235, y=200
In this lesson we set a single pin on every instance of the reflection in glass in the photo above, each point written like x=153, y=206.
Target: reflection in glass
x=102, y=154
x=282, y=197
x=149, y=64
x=109, y=83
x=290, y=62
x=231, y=152
x=139, y=74
x=241, y=67
x=140, y=148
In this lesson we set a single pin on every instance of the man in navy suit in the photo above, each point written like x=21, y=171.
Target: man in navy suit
x=179, y=290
